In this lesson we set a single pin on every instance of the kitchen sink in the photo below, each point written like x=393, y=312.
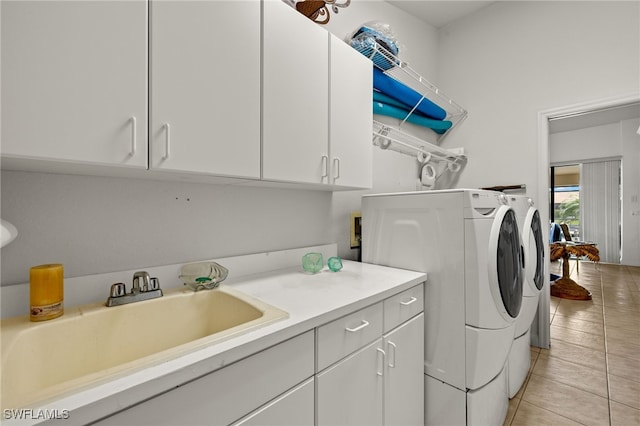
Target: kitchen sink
x=93, y=342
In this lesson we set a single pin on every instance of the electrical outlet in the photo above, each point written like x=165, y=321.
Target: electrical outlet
x=356, y=230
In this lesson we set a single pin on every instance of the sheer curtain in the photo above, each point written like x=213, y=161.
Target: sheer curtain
x=600, y=207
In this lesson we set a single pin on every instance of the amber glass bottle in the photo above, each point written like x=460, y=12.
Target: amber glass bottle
x=46, y=291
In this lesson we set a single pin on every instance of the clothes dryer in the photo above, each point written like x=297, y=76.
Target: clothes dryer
x=531, y=234
x=467, y=242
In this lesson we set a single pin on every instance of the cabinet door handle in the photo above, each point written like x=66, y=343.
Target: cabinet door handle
x=325, y=167
x=408, y=302
x=134, y=133
x=358, y=328
x=381, y=356
x=336, y=168
x=392, y=360
x=167, y=142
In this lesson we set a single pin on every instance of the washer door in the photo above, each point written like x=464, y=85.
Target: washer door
x=506, y=255
x=533, y=250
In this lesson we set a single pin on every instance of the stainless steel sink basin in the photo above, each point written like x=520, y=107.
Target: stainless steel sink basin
x=93, y=342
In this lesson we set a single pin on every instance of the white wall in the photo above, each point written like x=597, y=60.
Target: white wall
x=585, y=144
x=418, y=41
x=101, y=224
x=512, y=60
x=393, y=172
x=630, y=192
x=616, y=140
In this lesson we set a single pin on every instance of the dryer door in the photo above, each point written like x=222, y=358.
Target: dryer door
x=533, y=253
x=506, y=255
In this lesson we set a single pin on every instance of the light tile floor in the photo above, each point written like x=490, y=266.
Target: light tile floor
x=591, y=373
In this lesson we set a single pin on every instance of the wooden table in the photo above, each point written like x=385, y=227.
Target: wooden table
x=565, y=287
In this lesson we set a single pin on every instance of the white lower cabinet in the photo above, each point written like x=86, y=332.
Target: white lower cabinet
x=294, y=408
x=228, y=394
x=381, y=383
x=404, y=374
x=351, y=391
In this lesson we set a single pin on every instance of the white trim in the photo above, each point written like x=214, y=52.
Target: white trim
x=543, y=324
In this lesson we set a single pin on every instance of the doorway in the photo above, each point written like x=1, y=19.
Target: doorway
x=587, y=198
x=540, y=332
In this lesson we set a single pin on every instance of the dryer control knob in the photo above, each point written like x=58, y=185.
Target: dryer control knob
x=531, y=203
x=503, y=199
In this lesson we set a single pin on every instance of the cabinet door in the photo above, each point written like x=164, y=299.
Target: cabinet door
x=350, y=392
x=404, y=374
x=294, y=408
x=351, y=116
x=228, y=394
x=74, y=81
x=295, y=129
x=205, y=87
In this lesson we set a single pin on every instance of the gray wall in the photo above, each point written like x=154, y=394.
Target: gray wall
x=102, y=224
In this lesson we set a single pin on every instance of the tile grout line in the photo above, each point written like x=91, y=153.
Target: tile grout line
x=606, y=349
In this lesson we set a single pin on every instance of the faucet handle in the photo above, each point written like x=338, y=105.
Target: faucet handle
x=118, y=290
x=154, y=284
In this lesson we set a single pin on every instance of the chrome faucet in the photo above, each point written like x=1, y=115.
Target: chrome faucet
x=150, y=289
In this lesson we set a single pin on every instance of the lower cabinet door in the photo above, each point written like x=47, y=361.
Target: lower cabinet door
x=351, y=391
x=293, y=408
x=404, y=374
x=227, y=394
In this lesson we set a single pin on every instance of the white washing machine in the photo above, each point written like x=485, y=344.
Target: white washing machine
x=531, y=234
x=467, y=242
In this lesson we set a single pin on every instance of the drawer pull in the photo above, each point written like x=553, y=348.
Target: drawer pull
x=380, y=372
x=410, y=301
x=392, y=364
x=358, y=328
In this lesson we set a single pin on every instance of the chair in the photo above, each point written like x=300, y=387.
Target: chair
x=566, y=232
x=569, y=239
x=554, y=233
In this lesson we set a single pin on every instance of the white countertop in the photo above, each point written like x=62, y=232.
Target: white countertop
x=310, y=300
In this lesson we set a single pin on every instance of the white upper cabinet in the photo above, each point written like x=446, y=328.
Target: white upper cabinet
x=295, y=96
x=205, y=87
x=317, y=113
x=351, y=116
x=241, y=89
x=74, y=81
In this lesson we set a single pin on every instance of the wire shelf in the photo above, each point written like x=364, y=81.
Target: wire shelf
x=401, y=71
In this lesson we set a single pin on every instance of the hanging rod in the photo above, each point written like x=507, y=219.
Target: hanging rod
x=387, y=137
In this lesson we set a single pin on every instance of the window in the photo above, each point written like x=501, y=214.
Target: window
x=566, y=198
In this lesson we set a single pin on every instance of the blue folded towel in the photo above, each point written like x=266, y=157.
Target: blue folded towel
x=402, y=93
x=438, y=126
